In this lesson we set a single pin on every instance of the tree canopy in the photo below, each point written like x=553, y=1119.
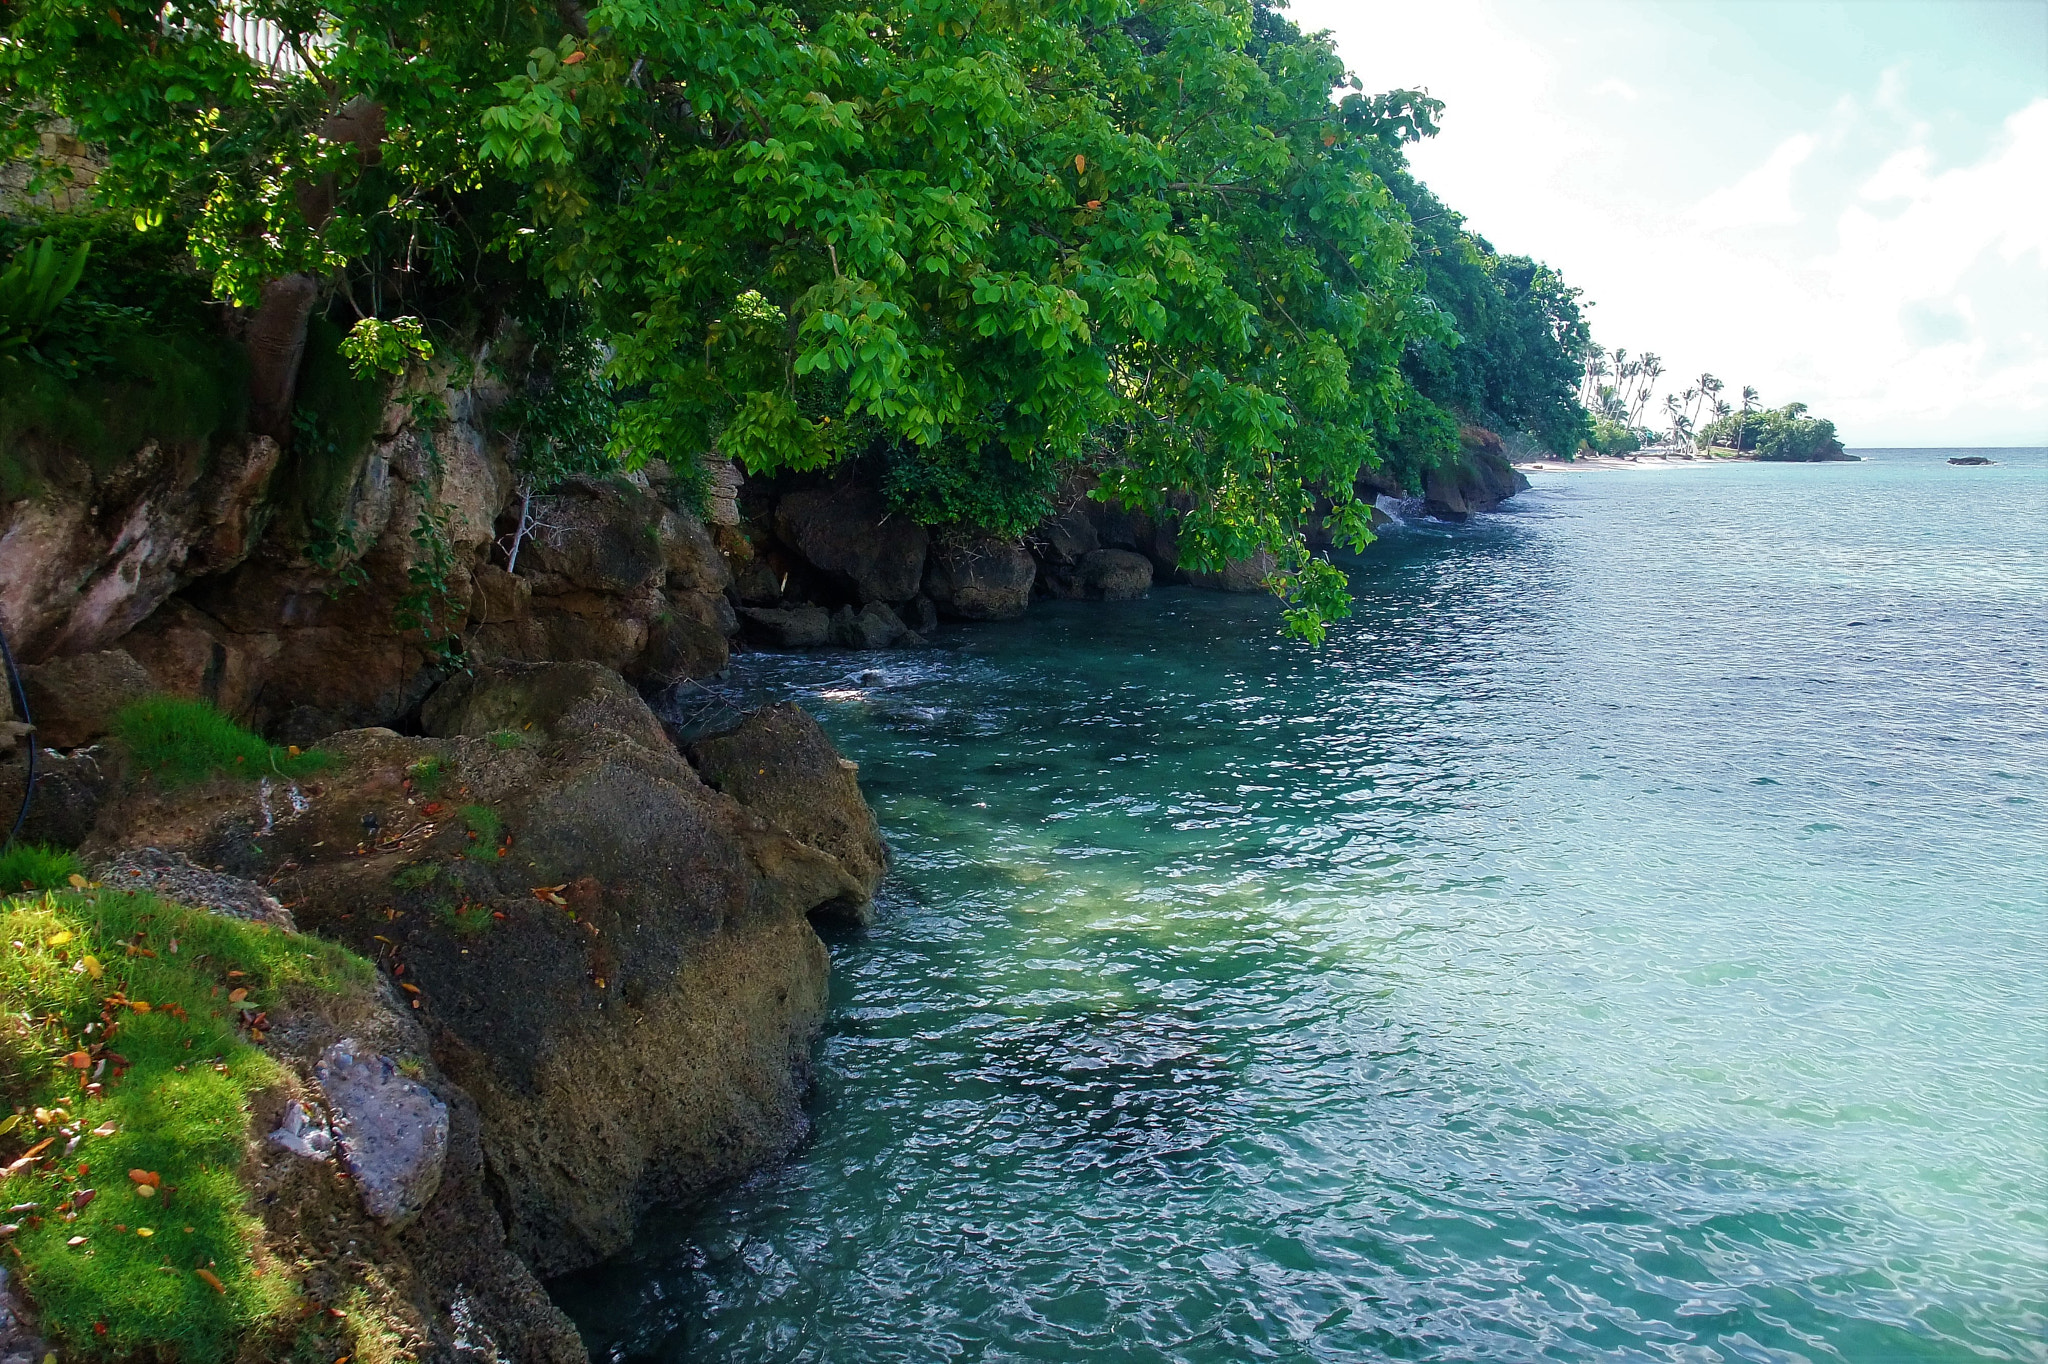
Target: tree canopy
x=985, y=243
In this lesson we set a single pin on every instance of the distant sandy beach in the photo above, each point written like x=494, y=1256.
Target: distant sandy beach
x=1571, y=466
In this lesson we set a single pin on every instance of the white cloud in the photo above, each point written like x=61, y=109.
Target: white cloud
x=1858, y=248
x=1764, y=196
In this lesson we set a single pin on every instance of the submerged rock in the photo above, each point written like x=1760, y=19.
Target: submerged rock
x=1971, y=460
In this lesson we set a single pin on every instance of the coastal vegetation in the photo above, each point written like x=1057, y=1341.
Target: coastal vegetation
x=1616, y=388
x=978, y=248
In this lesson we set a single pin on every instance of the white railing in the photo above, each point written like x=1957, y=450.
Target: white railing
x=266, y=44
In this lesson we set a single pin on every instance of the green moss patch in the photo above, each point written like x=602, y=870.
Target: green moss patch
x=129, y=1053
x=179, y=741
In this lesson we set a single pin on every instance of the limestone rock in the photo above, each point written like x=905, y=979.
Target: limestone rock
x=74, y=699
x=19, y=1341
x=1239, y=575
x=851, y=535
x=92, y=555
x=801, y=627
x=779, y=763
x=71, y=791
x=874, y=626
x=558, y=699
x=392, y=1131
x=1064, y=537
x=1100, y=575
x=680, y=648
x=980, y=578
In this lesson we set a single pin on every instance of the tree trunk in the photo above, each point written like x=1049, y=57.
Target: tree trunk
x=276, y=341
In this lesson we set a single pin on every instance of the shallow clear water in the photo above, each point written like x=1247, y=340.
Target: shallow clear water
x=1626, y=940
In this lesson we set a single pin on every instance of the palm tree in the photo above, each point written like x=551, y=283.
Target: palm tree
x=1749, y=405
x=1651, y=368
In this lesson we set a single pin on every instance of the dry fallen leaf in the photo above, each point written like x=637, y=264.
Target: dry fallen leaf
x=75, y=1241
x=236, y=996
x=404, y=986
x=140, y=1006
x=210, y=1280
x=92, y=966
x=147, y=1179
x=62, y=936
x=77, y=881
x=145, y=1231
x=79, y=1060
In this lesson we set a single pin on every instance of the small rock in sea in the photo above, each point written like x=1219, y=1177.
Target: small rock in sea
x=1969, y=459
x=392, y=1130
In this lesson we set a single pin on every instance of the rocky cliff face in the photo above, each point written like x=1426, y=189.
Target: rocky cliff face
x=303, y=597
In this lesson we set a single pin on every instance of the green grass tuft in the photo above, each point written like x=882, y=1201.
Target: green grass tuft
x=418, y=876
x=505, y=739
x=180, y=741
x=484, y=824
x=181, y=1066
x=427, y=775
x=31, y=866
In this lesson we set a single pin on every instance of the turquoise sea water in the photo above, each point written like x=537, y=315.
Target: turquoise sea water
x=1628, y=939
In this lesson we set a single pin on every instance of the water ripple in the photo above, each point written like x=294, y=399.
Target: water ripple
x=1625, y=941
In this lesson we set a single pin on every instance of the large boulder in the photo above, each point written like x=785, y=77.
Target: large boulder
x=1480, y=478
x=796, y=627
x=874, y=626
x=413, y=1243
x=1100, y=575
x=613, y=958
x=852, y=536
x=779, y=763
x=980, y=578
x=74, y=700
x=71, y=790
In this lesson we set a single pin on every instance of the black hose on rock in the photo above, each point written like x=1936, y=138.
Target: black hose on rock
x=28, y=789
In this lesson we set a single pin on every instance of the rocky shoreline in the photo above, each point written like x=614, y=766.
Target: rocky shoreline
x=594, y=939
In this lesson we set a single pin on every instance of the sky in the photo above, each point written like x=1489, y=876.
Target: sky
x=1843, y=204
